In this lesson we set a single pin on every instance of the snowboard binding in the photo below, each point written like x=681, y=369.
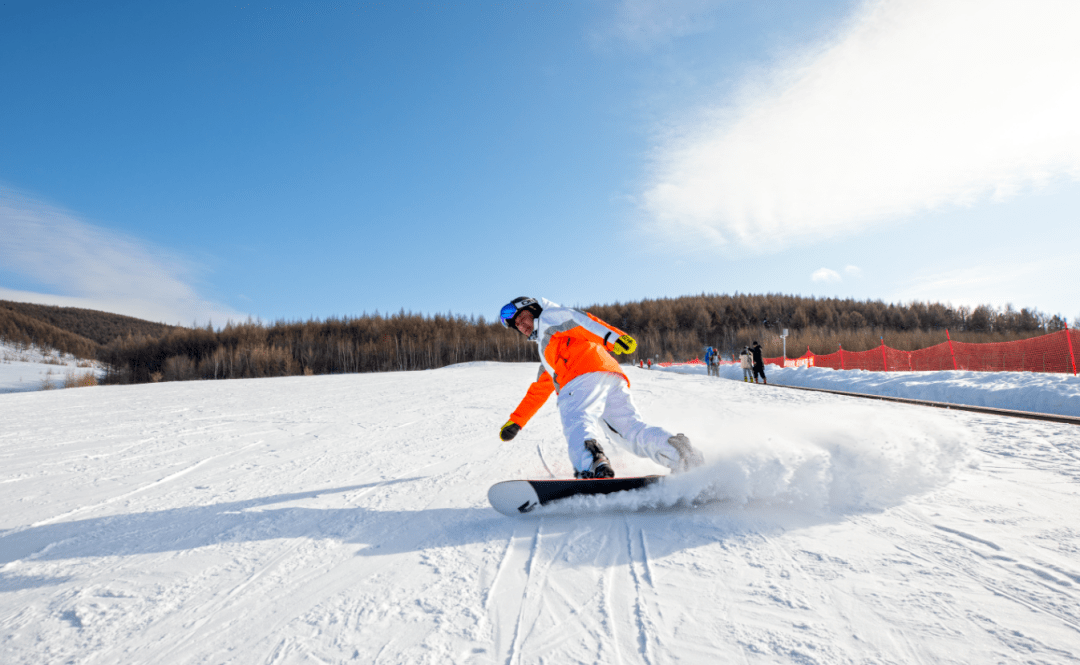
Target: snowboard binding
x=600, y=467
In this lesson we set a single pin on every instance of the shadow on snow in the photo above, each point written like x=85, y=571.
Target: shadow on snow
x=380, y=532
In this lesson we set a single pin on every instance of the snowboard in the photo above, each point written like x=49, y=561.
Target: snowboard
x=516, y=497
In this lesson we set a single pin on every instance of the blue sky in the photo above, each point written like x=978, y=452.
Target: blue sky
x=191, y=162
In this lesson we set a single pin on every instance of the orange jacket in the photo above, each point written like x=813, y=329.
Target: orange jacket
x=571, y=343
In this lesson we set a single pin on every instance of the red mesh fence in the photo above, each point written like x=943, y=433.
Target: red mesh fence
x=1055, y=352
x=695, y=361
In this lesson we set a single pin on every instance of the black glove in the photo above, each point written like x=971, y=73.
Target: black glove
x=509, y=430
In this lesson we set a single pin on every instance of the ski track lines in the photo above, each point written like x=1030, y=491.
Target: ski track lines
x=546, y=603
x=344, y=519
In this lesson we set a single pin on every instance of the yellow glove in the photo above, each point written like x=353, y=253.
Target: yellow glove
x=509, y=430
x=624, y=344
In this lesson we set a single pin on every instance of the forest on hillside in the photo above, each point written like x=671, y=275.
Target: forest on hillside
x=18, y=329
x=97, y=327
x=666, y=329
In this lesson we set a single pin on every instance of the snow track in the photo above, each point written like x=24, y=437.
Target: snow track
x=344, y=519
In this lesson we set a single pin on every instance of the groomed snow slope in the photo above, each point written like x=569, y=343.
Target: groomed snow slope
x=344, y=519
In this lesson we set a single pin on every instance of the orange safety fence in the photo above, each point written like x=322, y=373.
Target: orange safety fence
x=1053, y=352
x=695, y=361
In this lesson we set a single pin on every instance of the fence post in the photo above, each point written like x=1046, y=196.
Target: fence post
x=884, y=358
x=951, y=352
x=1068, y=340
x=841, y=355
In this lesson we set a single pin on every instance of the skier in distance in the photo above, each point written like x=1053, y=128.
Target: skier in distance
x=593, y=392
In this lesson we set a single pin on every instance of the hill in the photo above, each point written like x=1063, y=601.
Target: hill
x=17, y=328
x=96, y=326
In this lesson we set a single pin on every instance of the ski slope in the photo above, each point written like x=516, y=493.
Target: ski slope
x=336, y=519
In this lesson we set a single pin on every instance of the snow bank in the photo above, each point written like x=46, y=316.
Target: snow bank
x=1021, y=391
x=28, y=369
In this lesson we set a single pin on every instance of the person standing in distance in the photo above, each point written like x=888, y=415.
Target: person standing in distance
x=712, y=361
x=746, y=364
x=593, y=392
x=759, y=363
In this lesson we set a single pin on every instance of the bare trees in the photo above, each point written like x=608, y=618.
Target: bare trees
x=368, y=343
x=665, y=328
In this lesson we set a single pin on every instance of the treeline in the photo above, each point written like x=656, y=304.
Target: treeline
x=370, y=343
x=679, y=328
x=666, y=329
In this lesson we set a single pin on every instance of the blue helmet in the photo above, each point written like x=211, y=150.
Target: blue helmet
x=511, y=309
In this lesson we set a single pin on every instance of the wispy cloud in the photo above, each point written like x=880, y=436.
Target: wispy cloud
x=912, y=106
x=825, y=275
x=1022, y=283
x=647, y=24
x=82, y=265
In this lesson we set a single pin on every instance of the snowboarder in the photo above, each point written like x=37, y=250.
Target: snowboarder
x=593, y=392
x=759, y=363
x=746, y=364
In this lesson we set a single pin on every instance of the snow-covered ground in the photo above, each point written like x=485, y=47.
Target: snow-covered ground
x=23, y=369
x=1019, y=391
x=336, y=519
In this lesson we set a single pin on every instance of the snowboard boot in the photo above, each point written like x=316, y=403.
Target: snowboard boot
x=600, y=467
x=689, y=456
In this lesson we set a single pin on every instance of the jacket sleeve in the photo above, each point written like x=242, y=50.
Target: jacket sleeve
x=537, y=394
x=594, y=330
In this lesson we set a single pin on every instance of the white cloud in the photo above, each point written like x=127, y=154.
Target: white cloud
x=913, y=106
x=826, y=275
x=94, y=268
x=853, y=271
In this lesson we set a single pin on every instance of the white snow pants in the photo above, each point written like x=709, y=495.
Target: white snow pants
x=599, y=403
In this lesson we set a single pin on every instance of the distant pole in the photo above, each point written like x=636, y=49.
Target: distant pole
x=1068, y=340
x=951, y=351
x=884, y=358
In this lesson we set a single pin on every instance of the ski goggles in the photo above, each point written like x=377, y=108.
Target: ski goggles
x=510, y=311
